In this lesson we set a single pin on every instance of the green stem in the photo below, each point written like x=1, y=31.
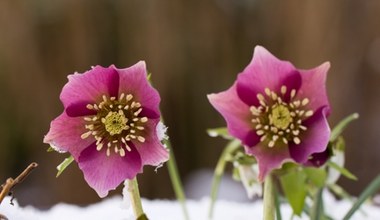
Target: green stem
x=218, y=173
x=176, y=181
x=269, y=200
x=317, y=207
x=278, y=204
x=134, y=194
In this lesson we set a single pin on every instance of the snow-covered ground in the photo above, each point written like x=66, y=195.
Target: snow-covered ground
x=112, y=208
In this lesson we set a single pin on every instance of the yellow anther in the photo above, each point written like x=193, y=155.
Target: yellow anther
x=283, y=90
x=137, y=112
x=260, y=97
x=129, y=97
x=260, y=132
x=141, y=139
x=263, y=138
x=296, y=140
x=122, y=152
x=274, y=96
x=121, y=96
x=305, y=101
x=99, y=146
x=271, y=144
x=86, y=135
x=267, y=91
x=292, y=93
x=128, y=148
x=309, y=113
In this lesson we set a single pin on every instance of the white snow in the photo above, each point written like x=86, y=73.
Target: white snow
x=111, y=208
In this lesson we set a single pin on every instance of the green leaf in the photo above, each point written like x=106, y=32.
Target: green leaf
x=65, y=163
x=316, y=176
x=338, y=129
x=294, y=186
x=287, y=167
x=50, y=149
x=221, y=132
x=370, y=190
x=342, y=170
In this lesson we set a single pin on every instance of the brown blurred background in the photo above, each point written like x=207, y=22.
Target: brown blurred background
x=192, y=48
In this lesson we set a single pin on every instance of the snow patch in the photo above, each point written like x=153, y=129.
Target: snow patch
x=171, y=210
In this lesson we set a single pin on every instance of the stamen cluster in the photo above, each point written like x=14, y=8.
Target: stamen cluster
x=116, y=123
x=278, y=122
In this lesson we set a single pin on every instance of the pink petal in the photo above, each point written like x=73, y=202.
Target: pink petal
x=88, y=88
x=314, y=87
x=237, y=115
x=266, y=71
x=133, y=80
x=152, y=152
x=315, y=139
x=65, y=135
x=268, y=158
x=104, y=173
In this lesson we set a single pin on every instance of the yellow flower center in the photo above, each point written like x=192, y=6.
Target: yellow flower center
x=278, y=122
x=116, y=124
x=281, y=116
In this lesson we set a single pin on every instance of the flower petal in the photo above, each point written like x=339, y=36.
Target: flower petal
x=133, y=80
x=268, y=158
x=88, y=88
x=152, y=152
x=237, y=115
x=266, y=71
x=65, y=135
x=314, y=87
x=104, y=173
x=318, y=159
x=315, y=139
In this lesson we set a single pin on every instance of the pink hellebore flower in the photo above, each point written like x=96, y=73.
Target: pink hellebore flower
x=109, y=125
x=277, y=111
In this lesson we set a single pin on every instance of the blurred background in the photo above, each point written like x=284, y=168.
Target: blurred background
x=192, y=48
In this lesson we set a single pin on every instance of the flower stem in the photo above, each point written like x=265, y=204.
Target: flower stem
x=176, y=181
x=269, y=200
x=278, y=205
x=317, y=207
x=134, y=194
x=218, y=173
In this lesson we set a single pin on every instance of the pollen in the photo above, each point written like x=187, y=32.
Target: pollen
x=279, y=117
x=115, y=122
x=118, y=122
